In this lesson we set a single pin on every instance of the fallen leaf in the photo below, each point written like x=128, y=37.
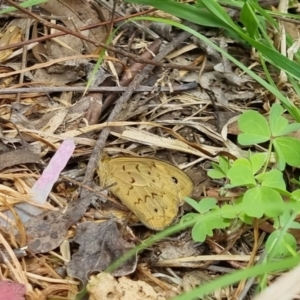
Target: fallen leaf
x=100, y=245
x=48, y=230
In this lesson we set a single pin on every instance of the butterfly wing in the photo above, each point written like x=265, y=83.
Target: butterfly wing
x=150, y=188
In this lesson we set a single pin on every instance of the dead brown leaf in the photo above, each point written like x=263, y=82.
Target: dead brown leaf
x=100, y=245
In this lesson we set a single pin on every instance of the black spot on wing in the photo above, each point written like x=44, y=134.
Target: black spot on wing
x=137, y=167
x=153, y=195
x=129, y=190
x=139, y=201
x=174, y=179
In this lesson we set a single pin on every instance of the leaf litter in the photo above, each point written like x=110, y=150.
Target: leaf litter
x=80, y=230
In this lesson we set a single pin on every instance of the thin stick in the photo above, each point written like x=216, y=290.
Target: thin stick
x=111, y=89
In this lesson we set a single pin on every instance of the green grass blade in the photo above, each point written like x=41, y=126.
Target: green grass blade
x=24, y=4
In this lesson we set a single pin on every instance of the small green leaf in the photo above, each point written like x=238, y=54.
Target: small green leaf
x=224, y=164
x=296, y=195
x=290, y=128
x=247, y=139
x=189, y=217
x=255, y=128
x=272, y=201
x=253, y=202
x=200, y=231
x=277, y=122
x=279, y=156
x=280, y=247
x=257, y=161
x=284, y=218
x=246, y=219
x=233, y=215
x=261, y=201
x=207, y=204
x=219, y=170
x=272, y=179
x=290, y=149
x=202, y=206
x=242, y=162
x=241, y=173
x=203, y=229
x=194, y=204
x=295, y=181
x=216, y=174
x=295, y=225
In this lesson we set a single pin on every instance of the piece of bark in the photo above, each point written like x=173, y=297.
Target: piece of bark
x=17, y=157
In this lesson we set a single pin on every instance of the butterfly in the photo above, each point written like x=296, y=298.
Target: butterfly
x=152, y=189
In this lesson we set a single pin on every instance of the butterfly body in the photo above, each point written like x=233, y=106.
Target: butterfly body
x=152, y=189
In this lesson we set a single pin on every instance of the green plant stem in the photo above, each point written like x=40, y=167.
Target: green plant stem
x=268, y=157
